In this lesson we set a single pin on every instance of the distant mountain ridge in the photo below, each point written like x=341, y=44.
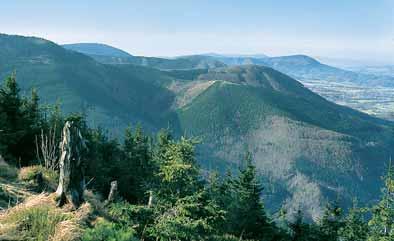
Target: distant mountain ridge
x=110, y=55
x=97, y=49
x=301, y=67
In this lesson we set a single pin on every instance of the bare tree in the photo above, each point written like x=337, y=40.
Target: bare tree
x=47, y=149
x=112, y=193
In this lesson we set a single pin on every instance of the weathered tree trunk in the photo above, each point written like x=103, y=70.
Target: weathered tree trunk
x=151, y=199
x=113, y=191
x=71, y=179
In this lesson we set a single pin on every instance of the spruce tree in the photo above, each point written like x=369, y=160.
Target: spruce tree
x=302, y=231
x=178, y=171
x=355, y=228
x=248, y=216
x=20, y=123
x=137, y=166
x=331, y=222
x=381, y=225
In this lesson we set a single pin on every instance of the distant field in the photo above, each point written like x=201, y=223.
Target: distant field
x=377, y=101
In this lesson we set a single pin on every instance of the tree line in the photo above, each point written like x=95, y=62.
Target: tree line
x=162, y=192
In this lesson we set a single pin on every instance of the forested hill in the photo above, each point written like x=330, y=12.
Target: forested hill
x=110, y=96
x=111, y=55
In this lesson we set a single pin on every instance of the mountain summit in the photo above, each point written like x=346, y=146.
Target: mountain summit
x=97, y=49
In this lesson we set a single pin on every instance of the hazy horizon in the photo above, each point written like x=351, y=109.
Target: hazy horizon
x=353, y=30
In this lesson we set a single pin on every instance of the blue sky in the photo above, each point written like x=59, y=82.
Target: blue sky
x=355, y=29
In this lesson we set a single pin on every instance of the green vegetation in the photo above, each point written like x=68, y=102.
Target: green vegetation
x=305, y=150
x=164, y=195
x=107, y=231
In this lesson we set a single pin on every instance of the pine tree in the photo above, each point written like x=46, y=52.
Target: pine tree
x=178, y=171
x=138, y=166
x=10, y=104
x=381, y=225
x=355, y=228
x=301, y=231
x=20, y=121
x=248, y=216
x=331, y=222
x=184, y=208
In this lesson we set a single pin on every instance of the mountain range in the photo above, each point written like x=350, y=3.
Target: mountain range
x=300, y=67
x=306, y=148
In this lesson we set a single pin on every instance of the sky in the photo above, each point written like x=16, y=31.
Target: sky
x=351, y=29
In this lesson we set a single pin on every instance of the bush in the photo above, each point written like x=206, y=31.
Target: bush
x=35, y=223
x=129, y=214
x=107, y=231
x=30, y=174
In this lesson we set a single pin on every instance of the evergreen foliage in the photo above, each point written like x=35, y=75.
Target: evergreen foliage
x=381, y=225
x=19, y=123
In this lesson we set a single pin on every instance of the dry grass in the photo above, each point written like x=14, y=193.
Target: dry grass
x=29, y=174
x=40, y=219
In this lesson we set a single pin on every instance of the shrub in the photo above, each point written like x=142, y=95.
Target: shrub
x=129, y=214
x=29, y=174
x=107, y=231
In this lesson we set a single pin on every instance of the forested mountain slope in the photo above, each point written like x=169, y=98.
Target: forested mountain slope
x=306, y=148
x=109, y=95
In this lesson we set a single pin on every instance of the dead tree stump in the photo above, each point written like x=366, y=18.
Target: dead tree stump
x=112, y=193
x=151, y=199
x=71, y=178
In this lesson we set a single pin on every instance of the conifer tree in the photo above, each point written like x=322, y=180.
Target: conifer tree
x=248, y=215
x=20, y=122
x=138, y=166
x=178, y=171
x=381, y=225
x=355, y=228
x=302, y=231
x=331, y=222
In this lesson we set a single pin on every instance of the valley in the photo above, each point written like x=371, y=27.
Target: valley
x=376, y=101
